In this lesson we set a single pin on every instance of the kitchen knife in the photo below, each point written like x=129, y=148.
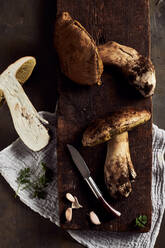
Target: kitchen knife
x=81, y=165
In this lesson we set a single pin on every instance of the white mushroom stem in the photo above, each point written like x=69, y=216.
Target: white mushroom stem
x=118, y=168
x=27, y=121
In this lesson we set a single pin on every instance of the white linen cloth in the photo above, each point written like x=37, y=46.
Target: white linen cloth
x=17, y=156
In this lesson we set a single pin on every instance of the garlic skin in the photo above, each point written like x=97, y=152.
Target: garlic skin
x=73, y=200
x=76, y=204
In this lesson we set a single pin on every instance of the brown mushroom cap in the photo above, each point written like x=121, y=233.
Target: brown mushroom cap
x=77, y=51
x=103, y=130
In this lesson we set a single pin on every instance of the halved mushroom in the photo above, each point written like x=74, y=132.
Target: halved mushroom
x=119, y=171
x=26, y=120
x=138, y=69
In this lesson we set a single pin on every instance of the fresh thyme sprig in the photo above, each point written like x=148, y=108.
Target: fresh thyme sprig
x=37, y=186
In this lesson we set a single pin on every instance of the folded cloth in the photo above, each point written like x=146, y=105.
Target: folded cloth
x=17, y=156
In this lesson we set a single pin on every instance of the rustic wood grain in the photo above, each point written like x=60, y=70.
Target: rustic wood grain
x=126, y=22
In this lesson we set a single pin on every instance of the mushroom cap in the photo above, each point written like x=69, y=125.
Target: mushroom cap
x=21, y=70
x=77, y=51
x=103, y=130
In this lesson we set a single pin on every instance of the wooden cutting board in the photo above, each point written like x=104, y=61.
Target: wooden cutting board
x=126, y=22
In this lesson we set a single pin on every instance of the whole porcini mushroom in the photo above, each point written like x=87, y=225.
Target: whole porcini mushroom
x=77, y=51
x=27, y=122
x=138, y=69
x=119, y=171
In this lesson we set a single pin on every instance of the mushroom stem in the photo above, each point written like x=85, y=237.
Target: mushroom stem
x=118, y=169
x=27, y=121
x=138, y=69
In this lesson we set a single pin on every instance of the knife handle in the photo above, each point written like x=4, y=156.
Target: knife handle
x=99, y=196
x=108, y=207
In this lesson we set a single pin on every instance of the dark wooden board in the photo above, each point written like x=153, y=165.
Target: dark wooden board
x=126, y=22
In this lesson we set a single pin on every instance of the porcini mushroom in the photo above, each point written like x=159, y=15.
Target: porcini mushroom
x=138, y=69
x=77, y=51
x=119, y=171
x=27, y=122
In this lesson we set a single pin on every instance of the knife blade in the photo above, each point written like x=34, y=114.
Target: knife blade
x=84, y=171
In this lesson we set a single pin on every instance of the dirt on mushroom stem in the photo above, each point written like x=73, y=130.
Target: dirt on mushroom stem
x=119, y=172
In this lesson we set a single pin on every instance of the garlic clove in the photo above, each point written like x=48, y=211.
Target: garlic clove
x=94, y=218
x=70, y=197
x=68, y=214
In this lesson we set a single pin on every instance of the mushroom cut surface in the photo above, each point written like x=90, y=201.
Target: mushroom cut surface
x=24, y=70
x=27, y=122
x=104, y=129
x=21, y=70
x=77, y=51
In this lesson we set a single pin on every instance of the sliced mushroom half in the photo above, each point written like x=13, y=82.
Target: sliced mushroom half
x=27, y=121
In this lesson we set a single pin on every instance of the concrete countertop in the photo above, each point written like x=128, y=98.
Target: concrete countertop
x=21, y=34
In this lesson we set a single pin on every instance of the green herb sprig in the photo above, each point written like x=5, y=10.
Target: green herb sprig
x=37, y=186
x=23, y=178
x=141, y=221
